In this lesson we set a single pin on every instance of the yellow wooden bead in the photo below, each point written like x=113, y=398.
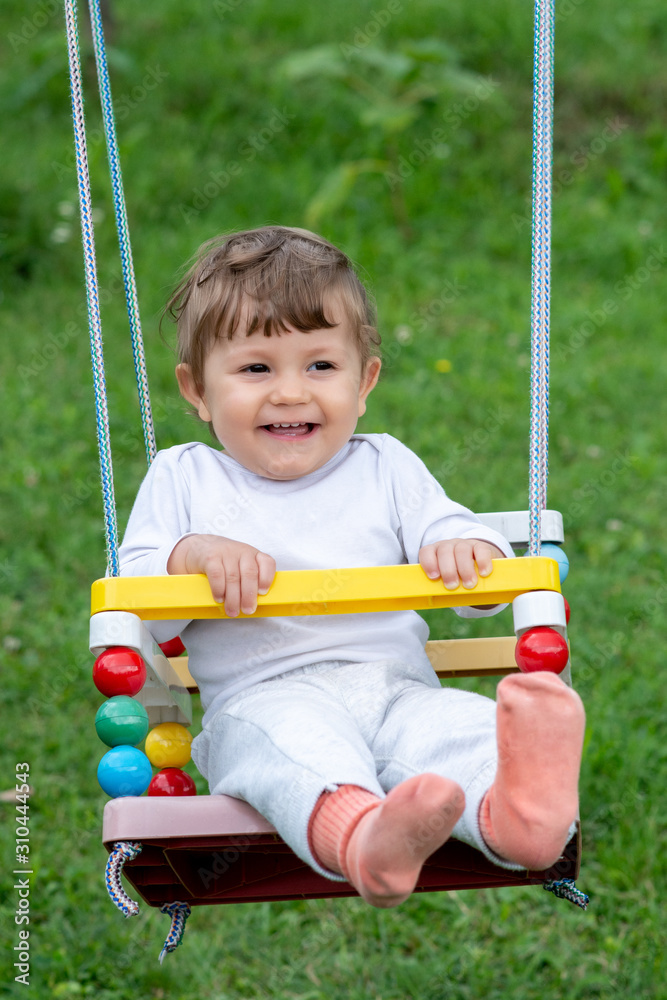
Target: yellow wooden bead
x=168, y=745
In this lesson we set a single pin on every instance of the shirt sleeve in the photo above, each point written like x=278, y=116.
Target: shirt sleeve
x=426, y=514
x=160, y=518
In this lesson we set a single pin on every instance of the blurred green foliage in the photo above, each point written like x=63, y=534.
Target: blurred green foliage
x=403, y=131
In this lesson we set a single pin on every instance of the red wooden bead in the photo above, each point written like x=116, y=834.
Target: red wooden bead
x=172, y=781
x=119, y=670
x=173, y=647
x=541, y=648
x=567, y=611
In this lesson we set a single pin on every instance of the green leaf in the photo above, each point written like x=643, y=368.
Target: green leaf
x=337, y=186
x=392, y=118
x=394, y=65
x=430, y=50
x=321, y=61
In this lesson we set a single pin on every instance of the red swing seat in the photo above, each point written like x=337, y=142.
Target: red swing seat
x=212, y=849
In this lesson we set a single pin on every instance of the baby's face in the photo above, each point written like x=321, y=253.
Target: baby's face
x=283, y=405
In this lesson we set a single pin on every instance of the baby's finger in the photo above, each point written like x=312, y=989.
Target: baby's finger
x=232, y=589
x=465, y=565
x=215, y=574
x=448, y=567
x=483, y=557
x=267, y=571
x=249, y=570
x=429, y=561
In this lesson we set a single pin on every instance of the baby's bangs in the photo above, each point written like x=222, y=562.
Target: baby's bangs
x=297, y=302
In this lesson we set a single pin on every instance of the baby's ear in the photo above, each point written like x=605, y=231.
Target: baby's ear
x=189, y=391
x=369, y=379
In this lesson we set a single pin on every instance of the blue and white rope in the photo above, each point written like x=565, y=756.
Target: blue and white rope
x=92, y=291
x=123, y=850
x=541, y=264
x=179, y=913
x=543, y=106
x=120, y=210
x=565, y=888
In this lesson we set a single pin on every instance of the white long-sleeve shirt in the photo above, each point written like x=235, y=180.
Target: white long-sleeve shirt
x=373, y=504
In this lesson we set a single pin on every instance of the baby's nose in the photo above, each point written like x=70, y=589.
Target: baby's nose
x=290, y=389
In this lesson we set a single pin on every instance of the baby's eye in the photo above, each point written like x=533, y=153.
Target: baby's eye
x=320, y=366
x=257, y=369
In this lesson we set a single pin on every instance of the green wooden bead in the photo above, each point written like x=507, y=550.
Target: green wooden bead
x=121, y=721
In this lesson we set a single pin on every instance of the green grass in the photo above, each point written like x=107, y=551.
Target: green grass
x=447, y=255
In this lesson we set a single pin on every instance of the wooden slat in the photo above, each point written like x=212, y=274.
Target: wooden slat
x=473, y=657
x=450, y=658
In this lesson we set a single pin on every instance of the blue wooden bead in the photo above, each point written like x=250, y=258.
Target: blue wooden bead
x=124, y=771
x=551, y=551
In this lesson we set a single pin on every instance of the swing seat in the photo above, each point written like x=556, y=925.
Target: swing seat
x=207, y=849
x=213, y=849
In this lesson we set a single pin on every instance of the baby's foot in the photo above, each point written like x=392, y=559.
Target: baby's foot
x=385, y=852
x=527, y=813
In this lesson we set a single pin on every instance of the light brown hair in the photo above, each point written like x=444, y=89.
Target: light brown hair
x=270, y=278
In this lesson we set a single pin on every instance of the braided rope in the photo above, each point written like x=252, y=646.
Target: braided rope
x=179, y=913
x=92, y=291
x=540, y=270
x=123, y=850
x=565, y=888
x=123, y=230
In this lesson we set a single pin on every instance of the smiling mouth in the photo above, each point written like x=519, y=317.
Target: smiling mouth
x=293, y=430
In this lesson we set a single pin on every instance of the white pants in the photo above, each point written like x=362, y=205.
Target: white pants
x=282, y=742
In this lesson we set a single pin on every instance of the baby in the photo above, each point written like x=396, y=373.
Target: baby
x=335, y=728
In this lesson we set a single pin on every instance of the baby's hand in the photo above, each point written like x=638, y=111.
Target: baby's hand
x=455, y=559
x=236, y=572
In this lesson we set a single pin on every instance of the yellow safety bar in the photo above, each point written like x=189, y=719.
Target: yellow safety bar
x=325, y=591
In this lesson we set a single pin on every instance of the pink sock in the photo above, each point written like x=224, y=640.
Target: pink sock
x=380, y=845
x=527, y=813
